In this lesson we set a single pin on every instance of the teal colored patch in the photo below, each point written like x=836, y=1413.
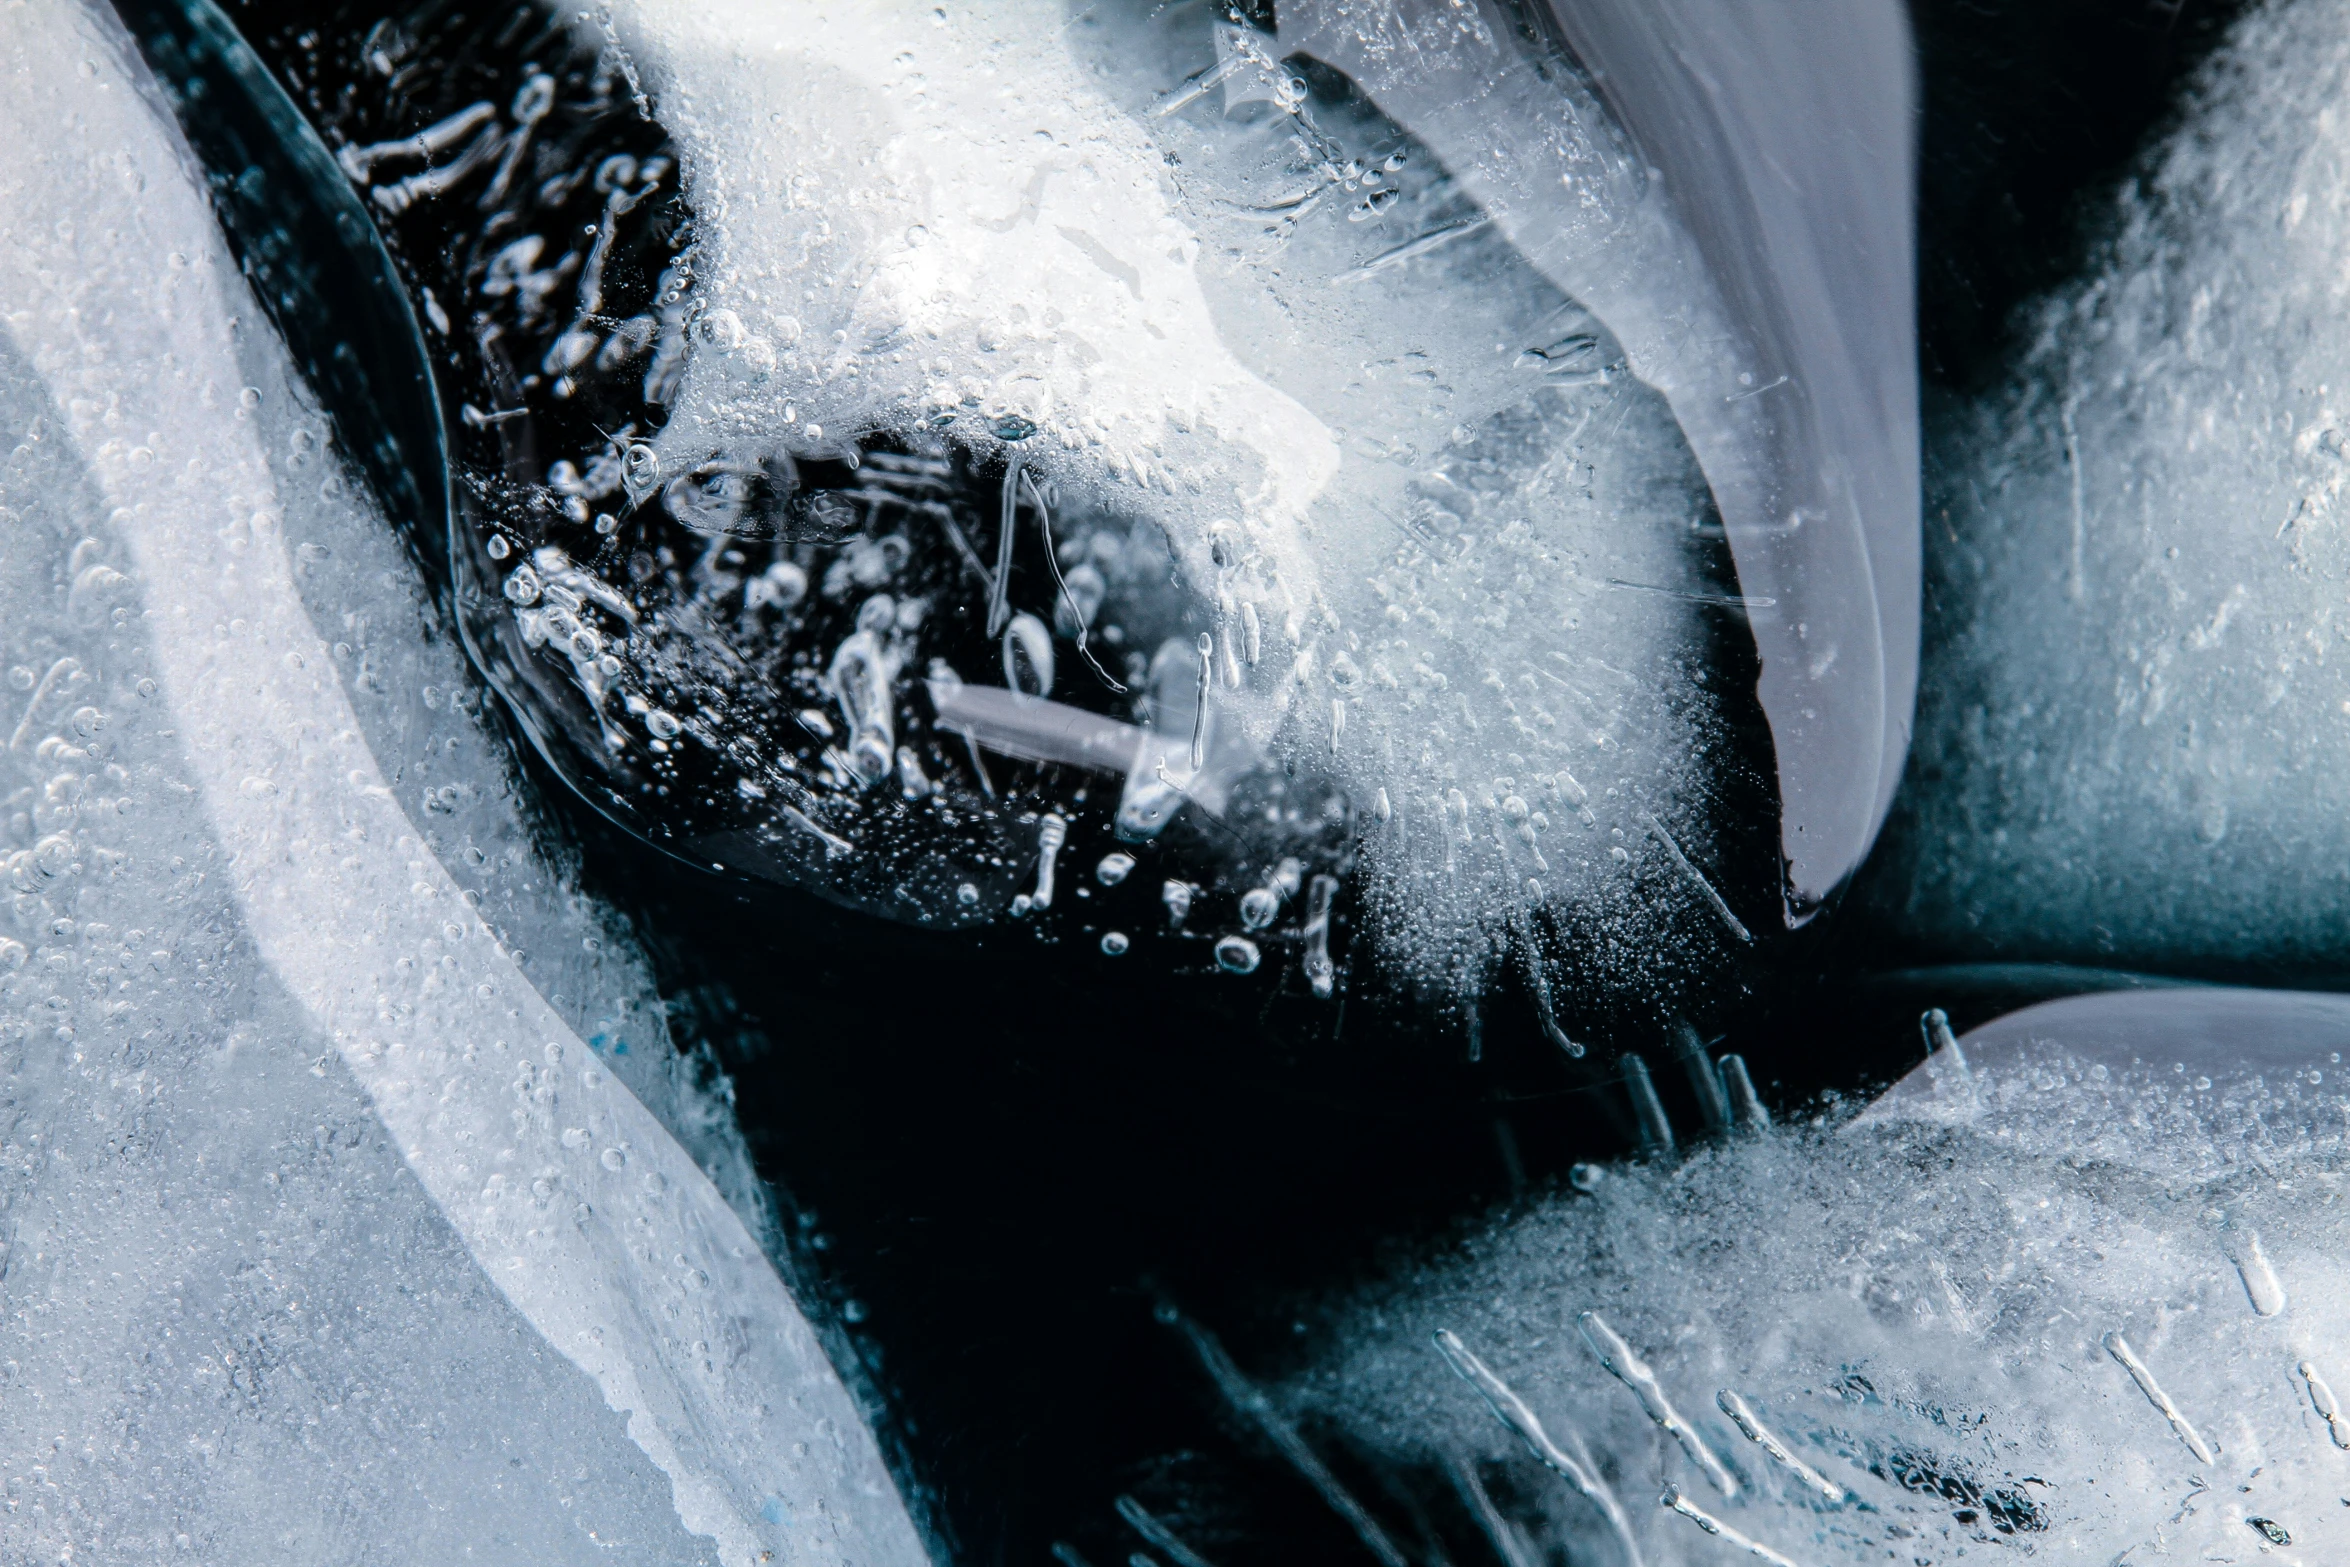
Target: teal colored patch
x=772, y=1510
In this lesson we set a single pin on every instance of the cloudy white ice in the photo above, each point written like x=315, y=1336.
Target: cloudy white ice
x=2075, y=1298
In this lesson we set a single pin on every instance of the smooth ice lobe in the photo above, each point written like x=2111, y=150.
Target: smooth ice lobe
x=539, y=1200
x=2226, y=1041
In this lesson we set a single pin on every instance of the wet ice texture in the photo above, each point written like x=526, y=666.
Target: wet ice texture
x=2134, y=742
x=2078, y=1303
x=1436, y=540
x=324, y=1230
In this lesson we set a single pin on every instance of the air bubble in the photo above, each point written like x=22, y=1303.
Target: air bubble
x=1114, y=943
x=1028, y=656
x=1237, y=955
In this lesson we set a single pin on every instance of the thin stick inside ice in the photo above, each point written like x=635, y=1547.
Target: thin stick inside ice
x=1697, y=878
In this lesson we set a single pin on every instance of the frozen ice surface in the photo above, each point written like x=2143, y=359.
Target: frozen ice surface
x=326, y=1233
x=1445, y=545
x=2077, y=1301
x=2132, y=747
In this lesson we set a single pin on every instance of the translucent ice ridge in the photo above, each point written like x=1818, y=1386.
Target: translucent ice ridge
x=305, y=1177
x=1754, y=257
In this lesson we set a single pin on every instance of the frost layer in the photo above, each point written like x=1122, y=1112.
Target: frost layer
x=2078, y=1305
x=315, y=1204
x=2135, y=738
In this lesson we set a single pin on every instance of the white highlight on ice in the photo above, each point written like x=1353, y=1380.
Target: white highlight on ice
x=1000, y=216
